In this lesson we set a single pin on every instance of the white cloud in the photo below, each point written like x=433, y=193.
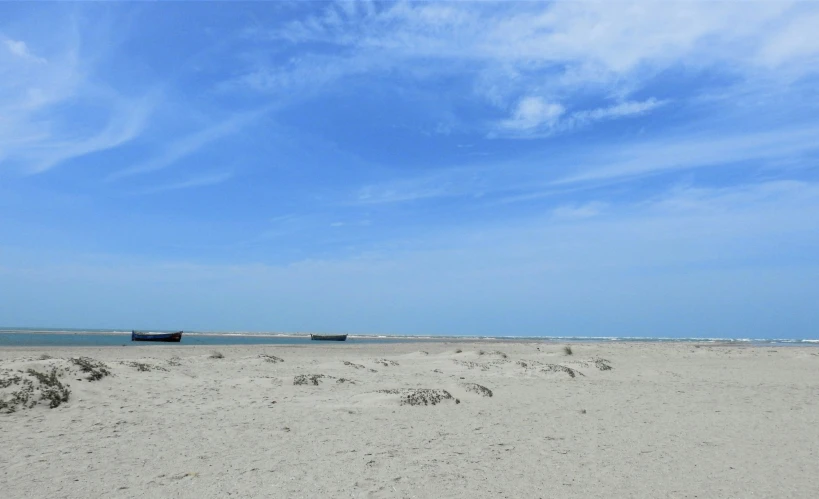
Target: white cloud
x=535, y=118
x=621, y=110
x=540, y=62
x=575, y=43
x=619, y=37
x=795, y=43
x=20, y=49
x=532, y=113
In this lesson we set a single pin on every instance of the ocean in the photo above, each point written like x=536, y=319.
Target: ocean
x=40, y=337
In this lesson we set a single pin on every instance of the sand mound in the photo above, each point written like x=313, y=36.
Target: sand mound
x=26, y=389
x=476, y=388
x=420, y=396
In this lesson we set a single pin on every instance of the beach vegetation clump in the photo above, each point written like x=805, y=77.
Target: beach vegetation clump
x=217, y=355
x=459, y=351
x=143, y=367
x=175, y=361
x=555, y=368
x=471, y=365
x=49, y=386
x=270, y=358
x=476, y=388
x=44, y=356
x=95, y=369
x=19, y=397
x=7, y=381
x=567, y=350
x=420, y=396
x=602, y=364
x=309, y=379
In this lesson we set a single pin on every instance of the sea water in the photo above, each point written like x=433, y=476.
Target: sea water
x=29, y=337
x=100, y=338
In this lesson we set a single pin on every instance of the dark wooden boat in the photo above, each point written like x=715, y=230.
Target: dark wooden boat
x=167, y=337
x=328, y=337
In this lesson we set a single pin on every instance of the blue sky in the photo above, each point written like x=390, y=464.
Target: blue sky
x=573, y=168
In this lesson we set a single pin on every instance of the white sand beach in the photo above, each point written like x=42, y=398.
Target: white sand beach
x=667, y=420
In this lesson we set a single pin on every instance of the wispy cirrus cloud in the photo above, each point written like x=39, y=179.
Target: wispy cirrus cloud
x=591, y=41
x=535, y=178
x=579, y=211
x=620, y=110
x=128, y=120
x=52, y=109
x=206, y=180
x=697, y=151
x=188, y=145
x=533, y=117
x=791, y=43
x=539, y=62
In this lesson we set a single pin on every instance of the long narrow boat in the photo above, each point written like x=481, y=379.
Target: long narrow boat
x=328, y=337
x=167, y=337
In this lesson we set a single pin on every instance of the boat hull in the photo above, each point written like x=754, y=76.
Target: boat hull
x=328, y=337
x=163, y=337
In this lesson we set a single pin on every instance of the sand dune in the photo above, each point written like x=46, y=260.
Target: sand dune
x=435, y=419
